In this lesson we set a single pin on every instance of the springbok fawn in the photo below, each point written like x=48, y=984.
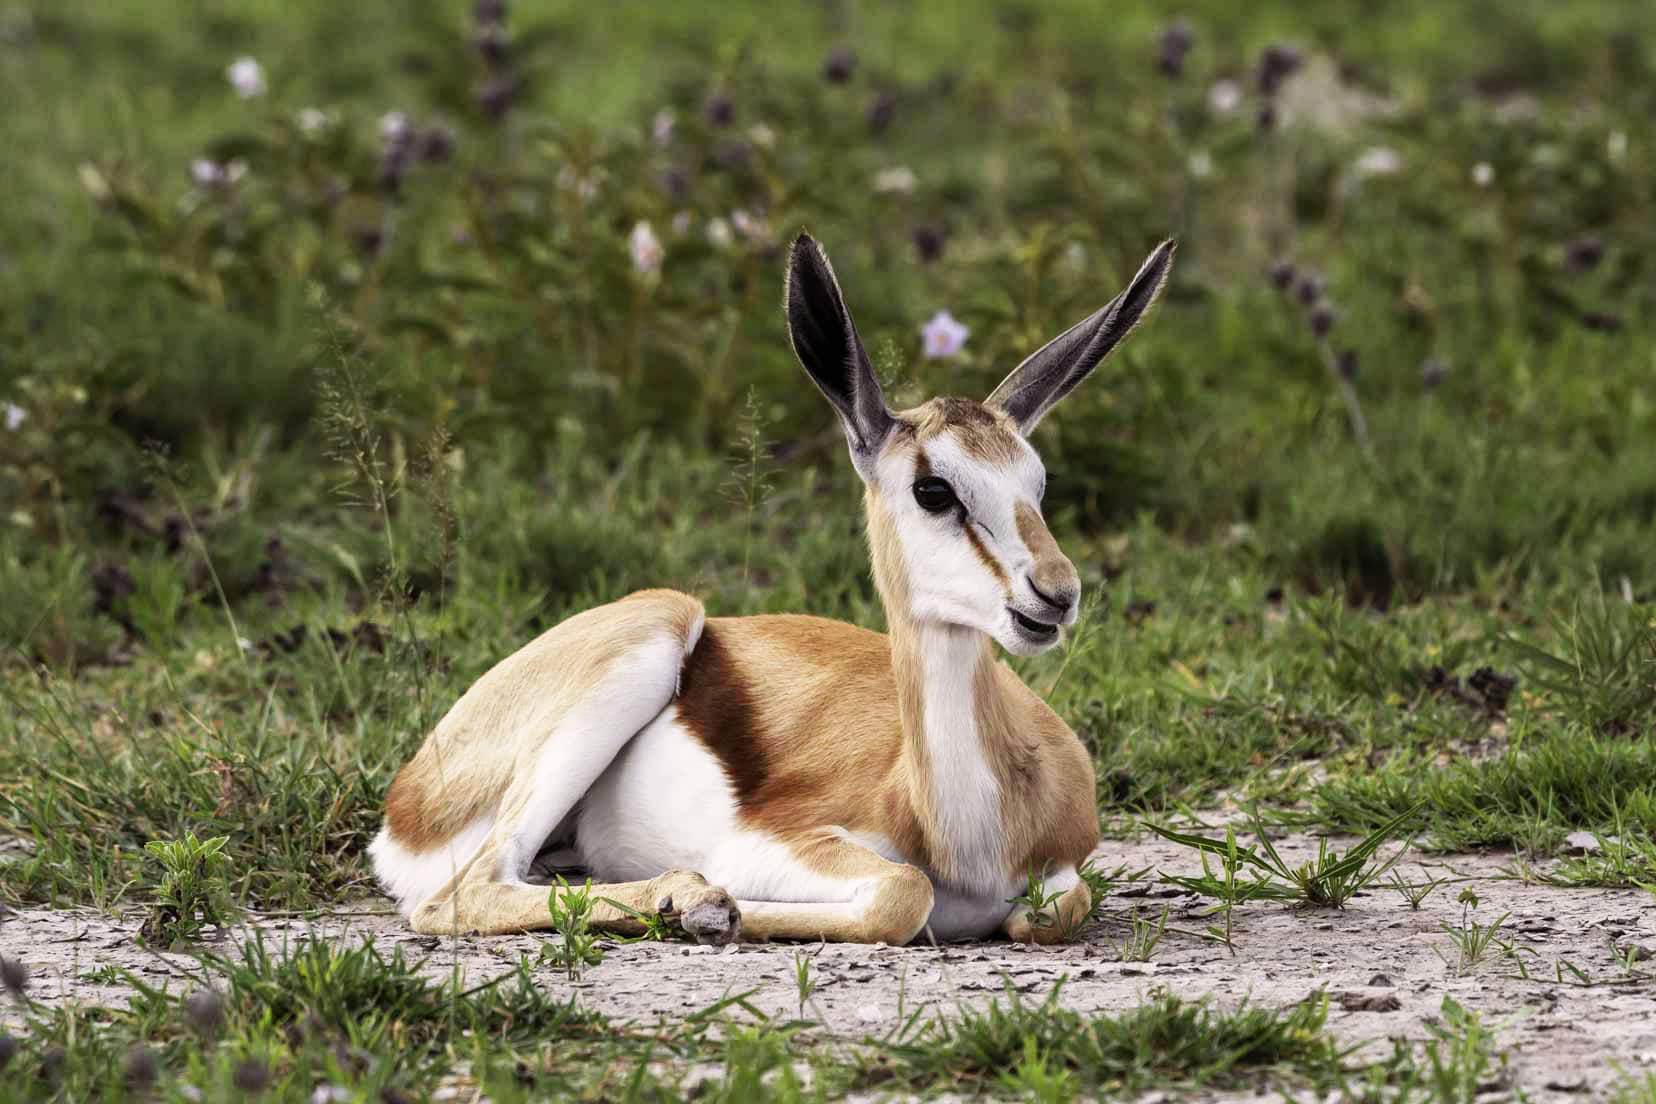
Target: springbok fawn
x=788, y=776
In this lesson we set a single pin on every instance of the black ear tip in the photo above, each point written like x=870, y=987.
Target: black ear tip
x=804, y=246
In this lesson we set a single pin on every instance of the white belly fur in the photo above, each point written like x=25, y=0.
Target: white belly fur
x=665, y=803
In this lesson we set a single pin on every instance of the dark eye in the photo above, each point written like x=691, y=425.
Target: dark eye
x=933, y=494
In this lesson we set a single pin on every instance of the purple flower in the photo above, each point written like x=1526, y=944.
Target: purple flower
x=881, y=112
x=1322, y=319
x=1584, y=254
x=943, y=336
x=838, y=66
x=496, y=96
x=1175, y=42
x=436, y=144
x=1277, y=63
x=929, y=242
x=719, y=109
x=492, y=44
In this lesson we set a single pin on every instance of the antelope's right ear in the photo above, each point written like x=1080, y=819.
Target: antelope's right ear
x=825, y=341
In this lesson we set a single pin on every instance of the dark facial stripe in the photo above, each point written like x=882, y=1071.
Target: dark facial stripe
x=983, y=554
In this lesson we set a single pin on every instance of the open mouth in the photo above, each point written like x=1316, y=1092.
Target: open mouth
x=1039, y=630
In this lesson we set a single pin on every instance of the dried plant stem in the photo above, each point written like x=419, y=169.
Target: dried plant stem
x=1348, y=393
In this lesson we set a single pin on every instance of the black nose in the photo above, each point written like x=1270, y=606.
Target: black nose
x=1062, y=601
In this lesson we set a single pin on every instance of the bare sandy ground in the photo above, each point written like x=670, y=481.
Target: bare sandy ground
x=1380, y=962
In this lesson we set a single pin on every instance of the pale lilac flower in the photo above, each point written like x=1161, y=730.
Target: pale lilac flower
x=1378, y=161
x=14, y=416
x=1483, y=174
x=1225, y=97
x=943, y=336
x=246, y=77
x=584, y=187
x=313, y=121
x=217, y=174
x=718, y=234
x=394, y=127
x=899, y=179
x=645, y=248
x=752, y=227
x=681, y=223
x=662, y=126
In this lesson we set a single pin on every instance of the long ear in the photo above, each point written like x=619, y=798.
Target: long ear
x=825, y=341
x=1053, y=371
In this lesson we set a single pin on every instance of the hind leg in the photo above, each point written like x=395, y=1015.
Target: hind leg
x=492, y=908
x=555, y=716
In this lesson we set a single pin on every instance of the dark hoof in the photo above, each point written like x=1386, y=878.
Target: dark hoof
x=713, y=922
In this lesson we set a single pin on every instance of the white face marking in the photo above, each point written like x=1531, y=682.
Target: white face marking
x=948, y=582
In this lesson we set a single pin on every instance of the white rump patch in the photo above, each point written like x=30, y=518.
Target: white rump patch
x=412, y=877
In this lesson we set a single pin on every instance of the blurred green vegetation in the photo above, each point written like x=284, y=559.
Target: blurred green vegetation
x=320, y=400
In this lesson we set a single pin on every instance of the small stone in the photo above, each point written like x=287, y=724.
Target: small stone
x=141, y=1067
x=1370, y=1002
x=1380, y=981
x=14, y=976
x=251, y=1076
x=1582, y=843
x=869, y=1013
x=204, y=1009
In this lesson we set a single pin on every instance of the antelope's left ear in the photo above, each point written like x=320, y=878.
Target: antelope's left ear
x=1051, y=372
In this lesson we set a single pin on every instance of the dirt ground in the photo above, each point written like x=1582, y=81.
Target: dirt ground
x=1378, y=959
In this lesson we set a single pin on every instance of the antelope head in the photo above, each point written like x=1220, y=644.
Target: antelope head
x=954, y=487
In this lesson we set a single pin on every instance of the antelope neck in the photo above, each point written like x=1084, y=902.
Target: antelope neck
x=944, y=677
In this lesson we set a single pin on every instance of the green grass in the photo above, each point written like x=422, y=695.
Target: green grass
x=296, y=460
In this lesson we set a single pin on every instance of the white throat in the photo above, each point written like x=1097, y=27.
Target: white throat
x=965, y=798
